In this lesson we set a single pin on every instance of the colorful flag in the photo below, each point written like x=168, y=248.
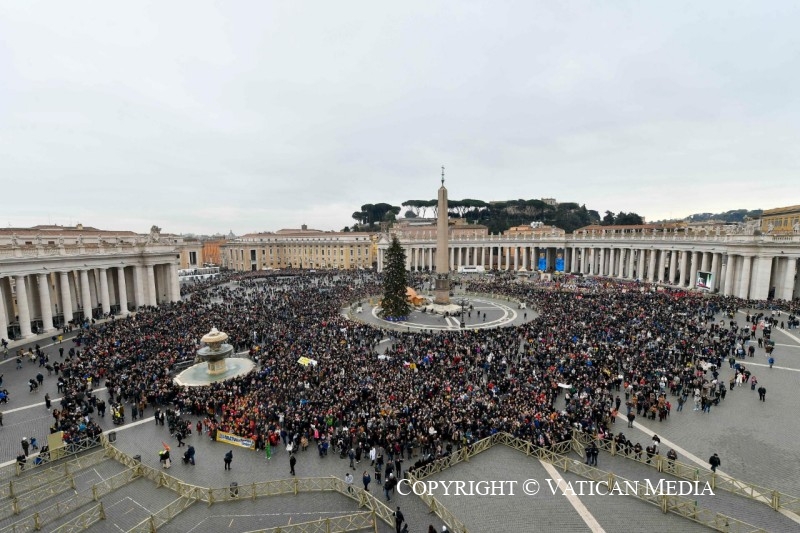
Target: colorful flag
x=268, y=450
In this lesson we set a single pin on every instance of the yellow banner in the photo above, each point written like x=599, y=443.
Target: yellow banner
x=230, y=438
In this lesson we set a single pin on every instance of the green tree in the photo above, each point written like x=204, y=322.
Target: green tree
x=395, y=281
x=608, y=220
x=628, y=219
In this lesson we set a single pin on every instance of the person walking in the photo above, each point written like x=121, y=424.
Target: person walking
x=25, y=446
x=762, y=393
x=399, y=520
x=715, y=462
x=348, y=479
x=228, y=459
x=387, y=486
x=365, y=479
x=631, y=418
x=292, y=462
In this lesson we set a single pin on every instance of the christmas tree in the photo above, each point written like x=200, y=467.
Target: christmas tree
x=395, y=281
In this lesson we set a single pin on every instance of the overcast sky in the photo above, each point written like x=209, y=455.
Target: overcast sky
x=204, y=117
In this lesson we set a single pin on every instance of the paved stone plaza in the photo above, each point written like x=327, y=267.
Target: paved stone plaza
x=755, y=441
x=487, y=312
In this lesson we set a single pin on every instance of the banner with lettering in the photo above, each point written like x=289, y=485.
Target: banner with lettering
x=230, y=438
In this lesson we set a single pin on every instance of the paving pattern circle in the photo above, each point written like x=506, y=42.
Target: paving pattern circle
x=486, y=313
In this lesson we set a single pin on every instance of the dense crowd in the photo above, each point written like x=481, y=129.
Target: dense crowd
x=594, y=345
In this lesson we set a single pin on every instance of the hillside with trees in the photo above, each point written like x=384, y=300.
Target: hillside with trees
x=500, y=216
x=734, y=215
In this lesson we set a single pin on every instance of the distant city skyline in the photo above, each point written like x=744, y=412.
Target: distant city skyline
x=262, y=116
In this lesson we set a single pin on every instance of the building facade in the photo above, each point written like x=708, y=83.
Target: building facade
x=744, y=265
x=53, y=275
x=299, y=248
x=781, y=221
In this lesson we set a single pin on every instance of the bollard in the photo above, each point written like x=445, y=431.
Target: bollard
x=112, y=436
x=137, y=458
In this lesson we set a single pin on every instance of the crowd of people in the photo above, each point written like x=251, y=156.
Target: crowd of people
x=593, y=346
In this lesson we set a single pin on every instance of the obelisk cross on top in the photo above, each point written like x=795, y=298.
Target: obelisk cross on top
x=442, y=288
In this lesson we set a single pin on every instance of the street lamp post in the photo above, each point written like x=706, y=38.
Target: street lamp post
x=463, y=303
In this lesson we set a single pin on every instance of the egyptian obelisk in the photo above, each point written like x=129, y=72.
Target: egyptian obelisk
x=441, y=293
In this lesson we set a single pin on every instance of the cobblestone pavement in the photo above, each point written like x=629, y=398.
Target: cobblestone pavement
x=500, y=312
x=250, y=466
x=544, y=511
x=752, y=512
x=756, y=441
x=274, y=511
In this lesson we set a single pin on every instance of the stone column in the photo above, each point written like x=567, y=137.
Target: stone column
x=3, y=313
x=45, y=304
x=694, y=269
x=66, y=297
x=491, y=257
x=684, y=266
x=152, y=297
x=790, y=270
x=631, y=253
x=452, y=254
x=583, y=261
x=714, y=270
x=761, y=282
x=22, y=307
x=744, y=282
x=673, y=266
x=138, y=286
x=621, y=263
x=86, y=297
x=176, y=287
x=105, y=299
x=123, y=291
x=651, y=269
x=601, y=253
x=516, y=258
x=704, y=263
x=662, y=265
x=730, y=274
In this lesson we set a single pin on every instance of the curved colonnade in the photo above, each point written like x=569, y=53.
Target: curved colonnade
x=747, y=266
x=41, y=289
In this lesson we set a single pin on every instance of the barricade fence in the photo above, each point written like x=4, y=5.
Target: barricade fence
x=49, y=514
x=668, y=504
x=83, y=521
x=346, y=523
x=163, y=516
x=28, y=482
x=251, y=491
x=43, y=460
x=775, y=499
x=18, y=504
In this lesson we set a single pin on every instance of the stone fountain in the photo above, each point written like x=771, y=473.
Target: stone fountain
x=215, y=362
x=215, y=351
